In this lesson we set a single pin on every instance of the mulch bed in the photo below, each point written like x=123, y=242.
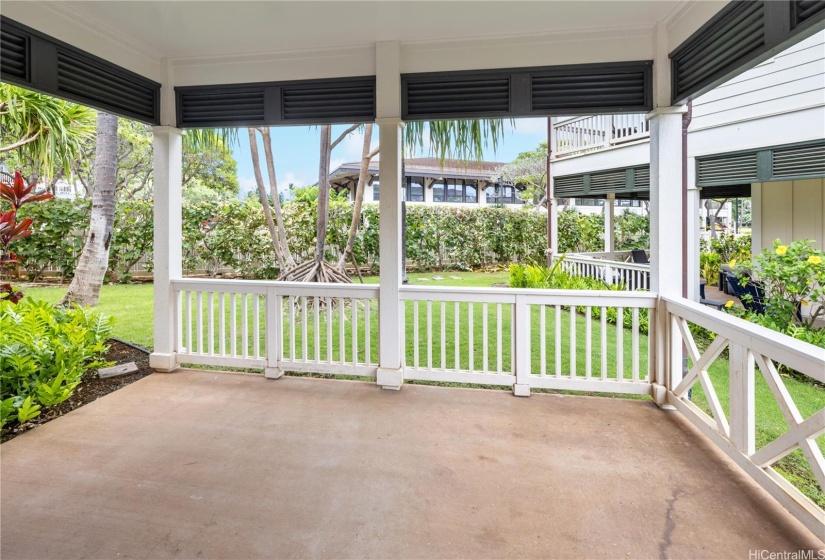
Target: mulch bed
x=90, y=389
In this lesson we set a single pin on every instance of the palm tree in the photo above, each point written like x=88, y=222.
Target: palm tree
x=46, y=132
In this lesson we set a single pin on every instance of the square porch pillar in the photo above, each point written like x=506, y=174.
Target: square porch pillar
x=167, y=180
x=666, y=259
x=610, y=225
x=390, y=374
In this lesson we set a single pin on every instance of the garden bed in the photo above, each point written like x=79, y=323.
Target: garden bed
x=91, y=388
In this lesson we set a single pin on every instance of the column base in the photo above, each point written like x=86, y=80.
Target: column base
x=521, y=389
x=390, y=379
x=164, y=363
x=659, y=394
x=273, y=373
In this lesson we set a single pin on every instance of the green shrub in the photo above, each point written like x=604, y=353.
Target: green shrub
x=44, y=352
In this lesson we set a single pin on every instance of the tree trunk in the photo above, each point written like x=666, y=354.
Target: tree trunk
x=323, y=193
x=259, y=180
x=276, y=200
x=358, y=199
x=91, y=268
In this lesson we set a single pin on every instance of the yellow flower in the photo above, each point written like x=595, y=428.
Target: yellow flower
x=732, y=263
x=814, y=259
x=781, y=250
x=804, y=302
x=729, y=304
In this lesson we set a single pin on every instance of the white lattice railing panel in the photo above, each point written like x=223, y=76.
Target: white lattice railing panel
x=751, y=411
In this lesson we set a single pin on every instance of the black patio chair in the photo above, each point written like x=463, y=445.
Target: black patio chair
x=640, y=256
x=709, y=302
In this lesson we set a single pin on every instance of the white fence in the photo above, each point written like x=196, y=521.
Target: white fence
x=493, y=336
x=586, y=134
x=630, y=276
x=724, y=407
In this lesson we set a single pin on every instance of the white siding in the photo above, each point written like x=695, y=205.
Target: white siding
x=792, y=210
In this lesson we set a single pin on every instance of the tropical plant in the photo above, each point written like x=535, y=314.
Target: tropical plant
x=528, y=170
x=44, y=353
x=46, y=134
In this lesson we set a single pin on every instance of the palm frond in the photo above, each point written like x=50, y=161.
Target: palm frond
x=454, y=139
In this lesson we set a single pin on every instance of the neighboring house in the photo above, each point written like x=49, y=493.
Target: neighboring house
x=431, y=181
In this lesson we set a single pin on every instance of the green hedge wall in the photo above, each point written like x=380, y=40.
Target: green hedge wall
x=232, y=235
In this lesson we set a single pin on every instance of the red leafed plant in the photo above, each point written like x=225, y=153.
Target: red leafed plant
x=17, y=194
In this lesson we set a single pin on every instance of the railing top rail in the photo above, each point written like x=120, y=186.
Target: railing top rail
x=594, y=298
x=801, y=356
x=559, y=124
x=604, y=262
x=284, y=288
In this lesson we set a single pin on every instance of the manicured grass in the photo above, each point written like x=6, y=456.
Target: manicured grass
x=130, y=304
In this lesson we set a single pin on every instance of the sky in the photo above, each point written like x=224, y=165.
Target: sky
x=295, y=150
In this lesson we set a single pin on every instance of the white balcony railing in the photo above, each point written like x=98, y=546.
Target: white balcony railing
x=629, y=276
x=586, y=134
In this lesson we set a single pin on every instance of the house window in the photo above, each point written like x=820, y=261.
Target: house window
x=375, y=186
x=455, y=190
x=414, y=189
x=626, y=203
x=589, y=202
x=502, y=194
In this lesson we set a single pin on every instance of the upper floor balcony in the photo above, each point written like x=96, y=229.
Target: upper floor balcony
x=580, y=135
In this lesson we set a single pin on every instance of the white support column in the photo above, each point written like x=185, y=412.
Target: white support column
x=665, y=218
x=610, y=225
x=428, y=190
x=756, y=218
x=693, y=244
x=168, y=240
x=391, y=309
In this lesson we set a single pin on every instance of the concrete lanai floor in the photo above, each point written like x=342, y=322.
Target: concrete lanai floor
x=212, y=465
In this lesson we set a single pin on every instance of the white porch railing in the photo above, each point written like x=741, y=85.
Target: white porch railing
x=553, y=339
x=586, y=134
x=730, y=417
x=631, y=276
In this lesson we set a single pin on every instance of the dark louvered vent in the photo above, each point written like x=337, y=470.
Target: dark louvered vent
x=608, y=182
x=88, y=80
x=458, y=97
x=800, y=161
x=569, y=186
x=14, y=54
x=737, y=33
x=641, y=179
x=803, y=10
x=728, y=169
x=617, y=91
x=216, y=108
x=332, y=102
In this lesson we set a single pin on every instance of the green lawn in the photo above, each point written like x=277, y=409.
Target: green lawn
x=131, y=305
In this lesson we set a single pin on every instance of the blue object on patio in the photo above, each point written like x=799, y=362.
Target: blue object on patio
x=709, y=302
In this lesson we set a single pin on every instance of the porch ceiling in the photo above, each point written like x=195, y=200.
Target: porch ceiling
x=219, y=465
x=211, y=42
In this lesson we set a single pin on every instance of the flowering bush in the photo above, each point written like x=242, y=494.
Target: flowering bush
x=793, y=277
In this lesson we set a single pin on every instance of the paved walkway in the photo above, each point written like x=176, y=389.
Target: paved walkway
x=212, y=465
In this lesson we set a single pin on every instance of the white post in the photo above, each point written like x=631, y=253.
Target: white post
x=693, y=245
x=610, y=225
x=168, y=240
x=390, y=309
x=756, y=218
x=665, y=217
x=742, y=399
x=274, y=324
x=521, y=388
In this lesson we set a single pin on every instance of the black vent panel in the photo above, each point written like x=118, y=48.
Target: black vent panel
x=457, y=97
x=98, y=85
x=803, y=10
x=569, y=186
x=332, y=102
x=613, y=91
x=729, y=169
x=731, y=38
x=799, y=161
x=641, y=179
x=608, y=182
x=221, y=107
x=14, y=54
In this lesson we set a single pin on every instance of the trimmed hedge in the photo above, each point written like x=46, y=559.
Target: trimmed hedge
x=232, y=234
